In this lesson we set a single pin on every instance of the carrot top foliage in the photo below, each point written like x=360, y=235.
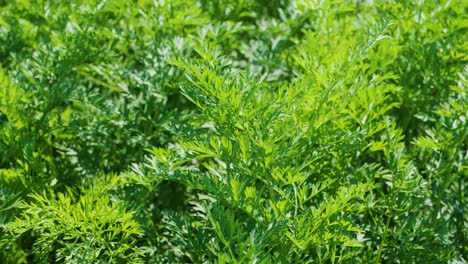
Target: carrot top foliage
x=193, y=131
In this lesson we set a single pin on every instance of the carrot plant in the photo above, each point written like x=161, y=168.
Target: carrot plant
x=192, y=131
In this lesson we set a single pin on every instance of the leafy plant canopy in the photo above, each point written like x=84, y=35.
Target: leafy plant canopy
x=194, y=131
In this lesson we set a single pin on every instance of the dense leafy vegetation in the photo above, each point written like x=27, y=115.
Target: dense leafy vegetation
x=194, y=131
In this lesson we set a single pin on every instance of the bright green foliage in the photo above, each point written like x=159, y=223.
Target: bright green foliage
x=88, y=228
x=193, y=131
